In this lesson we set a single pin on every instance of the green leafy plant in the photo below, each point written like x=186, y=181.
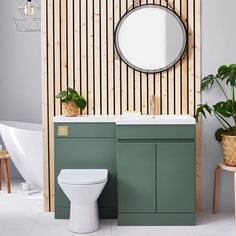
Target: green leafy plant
x=71, y=95
x=224, y=111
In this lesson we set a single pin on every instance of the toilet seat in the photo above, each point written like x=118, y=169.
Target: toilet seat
x=82, y=176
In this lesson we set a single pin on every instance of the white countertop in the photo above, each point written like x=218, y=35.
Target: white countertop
x=86, y=119
x=129, y=119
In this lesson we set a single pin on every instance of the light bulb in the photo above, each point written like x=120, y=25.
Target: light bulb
x=29, y=8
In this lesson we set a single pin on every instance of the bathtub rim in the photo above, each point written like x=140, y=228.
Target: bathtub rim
x=24, y=126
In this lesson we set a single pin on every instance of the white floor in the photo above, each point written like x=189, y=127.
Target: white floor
x=22, y=215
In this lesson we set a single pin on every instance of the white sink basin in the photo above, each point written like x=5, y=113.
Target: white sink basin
x=156, y=120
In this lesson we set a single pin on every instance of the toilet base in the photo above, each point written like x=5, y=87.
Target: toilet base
x=84, y=218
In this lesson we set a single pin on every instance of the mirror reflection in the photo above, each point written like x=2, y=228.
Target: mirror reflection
x=150, y=38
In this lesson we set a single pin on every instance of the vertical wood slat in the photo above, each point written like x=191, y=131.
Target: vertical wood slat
x=117, y=61
x=44, y=58
x=144, y=87
x=197, y=66
x=170, y=88
x=64, y=72
x=137, y=79
x=104, y=56
x=110, y=43
x=184, y=70
x=80, y=53
x=57, y=59
x=97, y=56
x=130, y=74
x=158, y=80
x=150, y=83
x=77, y=42
x=164, y=78
x=83, y=13
x=191, y=78
x=64, y=58
x=177, y=87
x=123, y=69
x=70, y=38
x=90, y=61
x=51, y=95
x=171, y=85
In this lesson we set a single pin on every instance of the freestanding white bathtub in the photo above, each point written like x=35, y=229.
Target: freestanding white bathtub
x=24, y=143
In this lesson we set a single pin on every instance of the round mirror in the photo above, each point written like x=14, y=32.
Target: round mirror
x=150, y=38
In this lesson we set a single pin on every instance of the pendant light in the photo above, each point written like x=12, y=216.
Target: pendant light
x=29, y=8
x=28, y=16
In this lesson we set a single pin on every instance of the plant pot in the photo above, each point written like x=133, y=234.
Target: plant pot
x=229, y=149
x=70, y=109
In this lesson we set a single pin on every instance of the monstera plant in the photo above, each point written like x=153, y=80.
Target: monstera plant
x=224, y=111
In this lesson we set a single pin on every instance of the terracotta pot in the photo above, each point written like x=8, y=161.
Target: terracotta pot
x=70, y=109
x=229, y=149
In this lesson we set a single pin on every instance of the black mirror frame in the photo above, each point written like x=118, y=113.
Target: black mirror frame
x=183, y=49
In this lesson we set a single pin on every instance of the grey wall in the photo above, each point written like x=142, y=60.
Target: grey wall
x=218, y=47
x=20, y=83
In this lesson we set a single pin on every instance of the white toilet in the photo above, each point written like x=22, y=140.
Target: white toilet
x=83, y=187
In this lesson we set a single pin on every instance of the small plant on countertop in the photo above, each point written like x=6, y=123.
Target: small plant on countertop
x=224, y=111
x=72, y=101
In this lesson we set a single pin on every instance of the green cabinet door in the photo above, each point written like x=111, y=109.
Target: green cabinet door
x=175, y=177
x=136, y=178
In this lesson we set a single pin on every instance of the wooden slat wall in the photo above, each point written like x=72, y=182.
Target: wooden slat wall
x=78, y=51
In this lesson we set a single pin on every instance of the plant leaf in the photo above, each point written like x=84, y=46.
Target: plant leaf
x=202, y=109
x=228, y=73
x=224, y=108
x=224, y=69
x=219, y=132
x=232, y=66
x=65, y=100
x=62, y=94
x=72, y=91
x=74, y=96
x=207, y=82
x=69, y=96
x=81, y=103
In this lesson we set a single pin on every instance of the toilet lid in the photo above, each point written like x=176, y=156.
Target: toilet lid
x=82, y=176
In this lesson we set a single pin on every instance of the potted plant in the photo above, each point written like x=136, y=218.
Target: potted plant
x=71, y=101
x=224, y=111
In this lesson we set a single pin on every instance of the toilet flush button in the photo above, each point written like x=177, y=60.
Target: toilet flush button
x=62, y=130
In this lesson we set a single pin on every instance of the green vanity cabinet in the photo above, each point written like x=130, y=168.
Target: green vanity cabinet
x=87, y=146
x=156, y=176
x=151, y=169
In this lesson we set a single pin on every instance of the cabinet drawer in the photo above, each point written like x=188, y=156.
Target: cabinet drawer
x=156, y=132
x=85, y=130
